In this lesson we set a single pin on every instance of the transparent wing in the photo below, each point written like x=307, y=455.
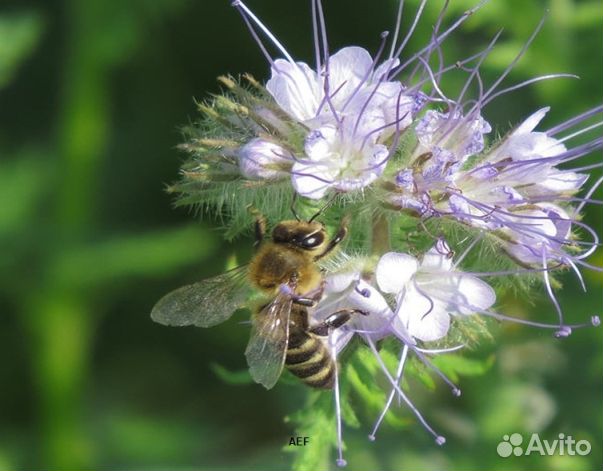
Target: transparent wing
x=206, y=303
x=268, y=342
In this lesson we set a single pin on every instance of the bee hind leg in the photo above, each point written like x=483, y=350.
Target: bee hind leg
x=335, y=320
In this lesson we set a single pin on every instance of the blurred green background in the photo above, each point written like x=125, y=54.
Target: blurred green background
x=91, y=96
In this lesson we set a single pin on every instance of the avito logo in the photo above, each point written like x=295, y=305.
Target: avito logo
x=564, y=445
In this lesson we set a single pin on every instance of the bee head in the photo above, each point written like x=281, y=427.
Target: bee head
x=306, y=235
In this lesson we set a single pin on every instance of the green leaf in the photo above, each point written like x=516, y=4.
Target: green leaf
x=315, y=421
x=23, y=180
x=19, y=35
x=456, y=365
x=137, y=255
x=231, y=377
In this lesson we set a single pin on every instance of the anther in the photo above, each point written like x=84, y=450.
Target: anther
x=341, y=462
x=440, y=440
x=384, y=34
x=372, y=437
x=596, y=321
x=456, y=392
x=564, y=332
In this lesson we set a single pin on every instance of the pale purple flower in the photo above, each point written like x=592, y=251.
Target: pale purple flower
x=352, y=88
x=451, y=137
x=336, y=158
x=347, y=102
x=260, y=159
x=429, y=292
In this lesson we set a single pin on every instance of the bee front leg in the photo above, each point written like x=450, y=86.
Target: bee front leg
x=259, y=226
x=336, y=240
x=335, y=320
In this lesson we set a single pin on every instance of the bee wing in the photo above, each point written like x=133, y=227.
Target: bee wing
x=206, y=303
x=267, y=346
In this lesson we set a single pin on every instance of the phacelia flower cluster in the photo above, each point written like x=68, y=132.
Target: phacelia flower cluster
x=444, y=213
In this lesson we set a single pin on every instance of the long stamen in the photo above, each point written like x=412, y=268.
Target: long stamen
x=411, y=29
x=589, y=194
x=257, y=38
x=390, y=398
x=369, y=71
x=581, y=131
x=397, y=28
x=563, y=331
x=519, y=55
x=239, y=5
x=466, y=252
x=566, y=329
x=341, y=462
x=575, y=120
x=526, y=83
x=315, y=36
x=440, y=440
x=480, y=61
x=434, y=82
x=434, y=44
x=439, y=38
x=457, y=65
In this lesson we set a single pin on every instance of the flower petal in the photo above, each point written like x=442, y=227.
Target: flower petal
x=425, y=319
x=339, y=282
x=394, y=271
x=532, y=121
x=460, y=293
x=347, y=68
x=261, y=159
x=311, y=180
x=296, y=89
x=437, y=258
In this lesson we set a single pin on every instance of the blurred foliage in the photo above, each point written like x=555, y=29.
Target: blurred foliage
x=91, y=96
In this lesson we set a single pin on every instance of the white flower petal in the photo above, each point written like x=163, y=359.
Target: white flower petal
x=311, y=180
x=530, y=124
x=462, y=293
x=394, y=271
x=425, y=319
x=532, y=146
x=366, y=298
x=560, y=181
x=339, y=282
x=296, y=89
x=347, y=68
x=437, y=258
x=385, y=68
x=318, y=143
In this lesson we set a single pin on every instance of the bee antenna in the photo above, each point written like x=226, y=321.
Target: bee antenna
x=293, y=207
x=321, y=210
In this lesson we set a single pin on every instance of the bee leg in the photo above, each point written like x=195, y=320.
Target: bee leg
x=334, y=242
x=311, y=298
x=259, y=226
x=335, y=320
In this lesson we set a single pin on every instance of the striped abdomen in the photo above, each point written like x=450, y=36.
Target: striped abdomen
x=309, y=359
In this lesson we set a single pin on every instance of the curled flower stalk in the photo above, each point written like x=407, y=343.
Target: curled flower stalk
x=441, y=215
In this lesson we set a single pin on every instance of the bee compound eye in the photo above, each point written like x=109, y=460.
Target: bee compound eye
x=312, y=241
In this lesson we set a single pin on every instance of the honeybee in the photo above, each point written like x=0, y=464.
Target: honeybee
x=285, y=269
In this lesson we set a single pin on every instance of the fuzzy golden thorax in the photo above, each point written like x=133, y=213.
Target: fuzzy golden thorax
x=290, y=255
